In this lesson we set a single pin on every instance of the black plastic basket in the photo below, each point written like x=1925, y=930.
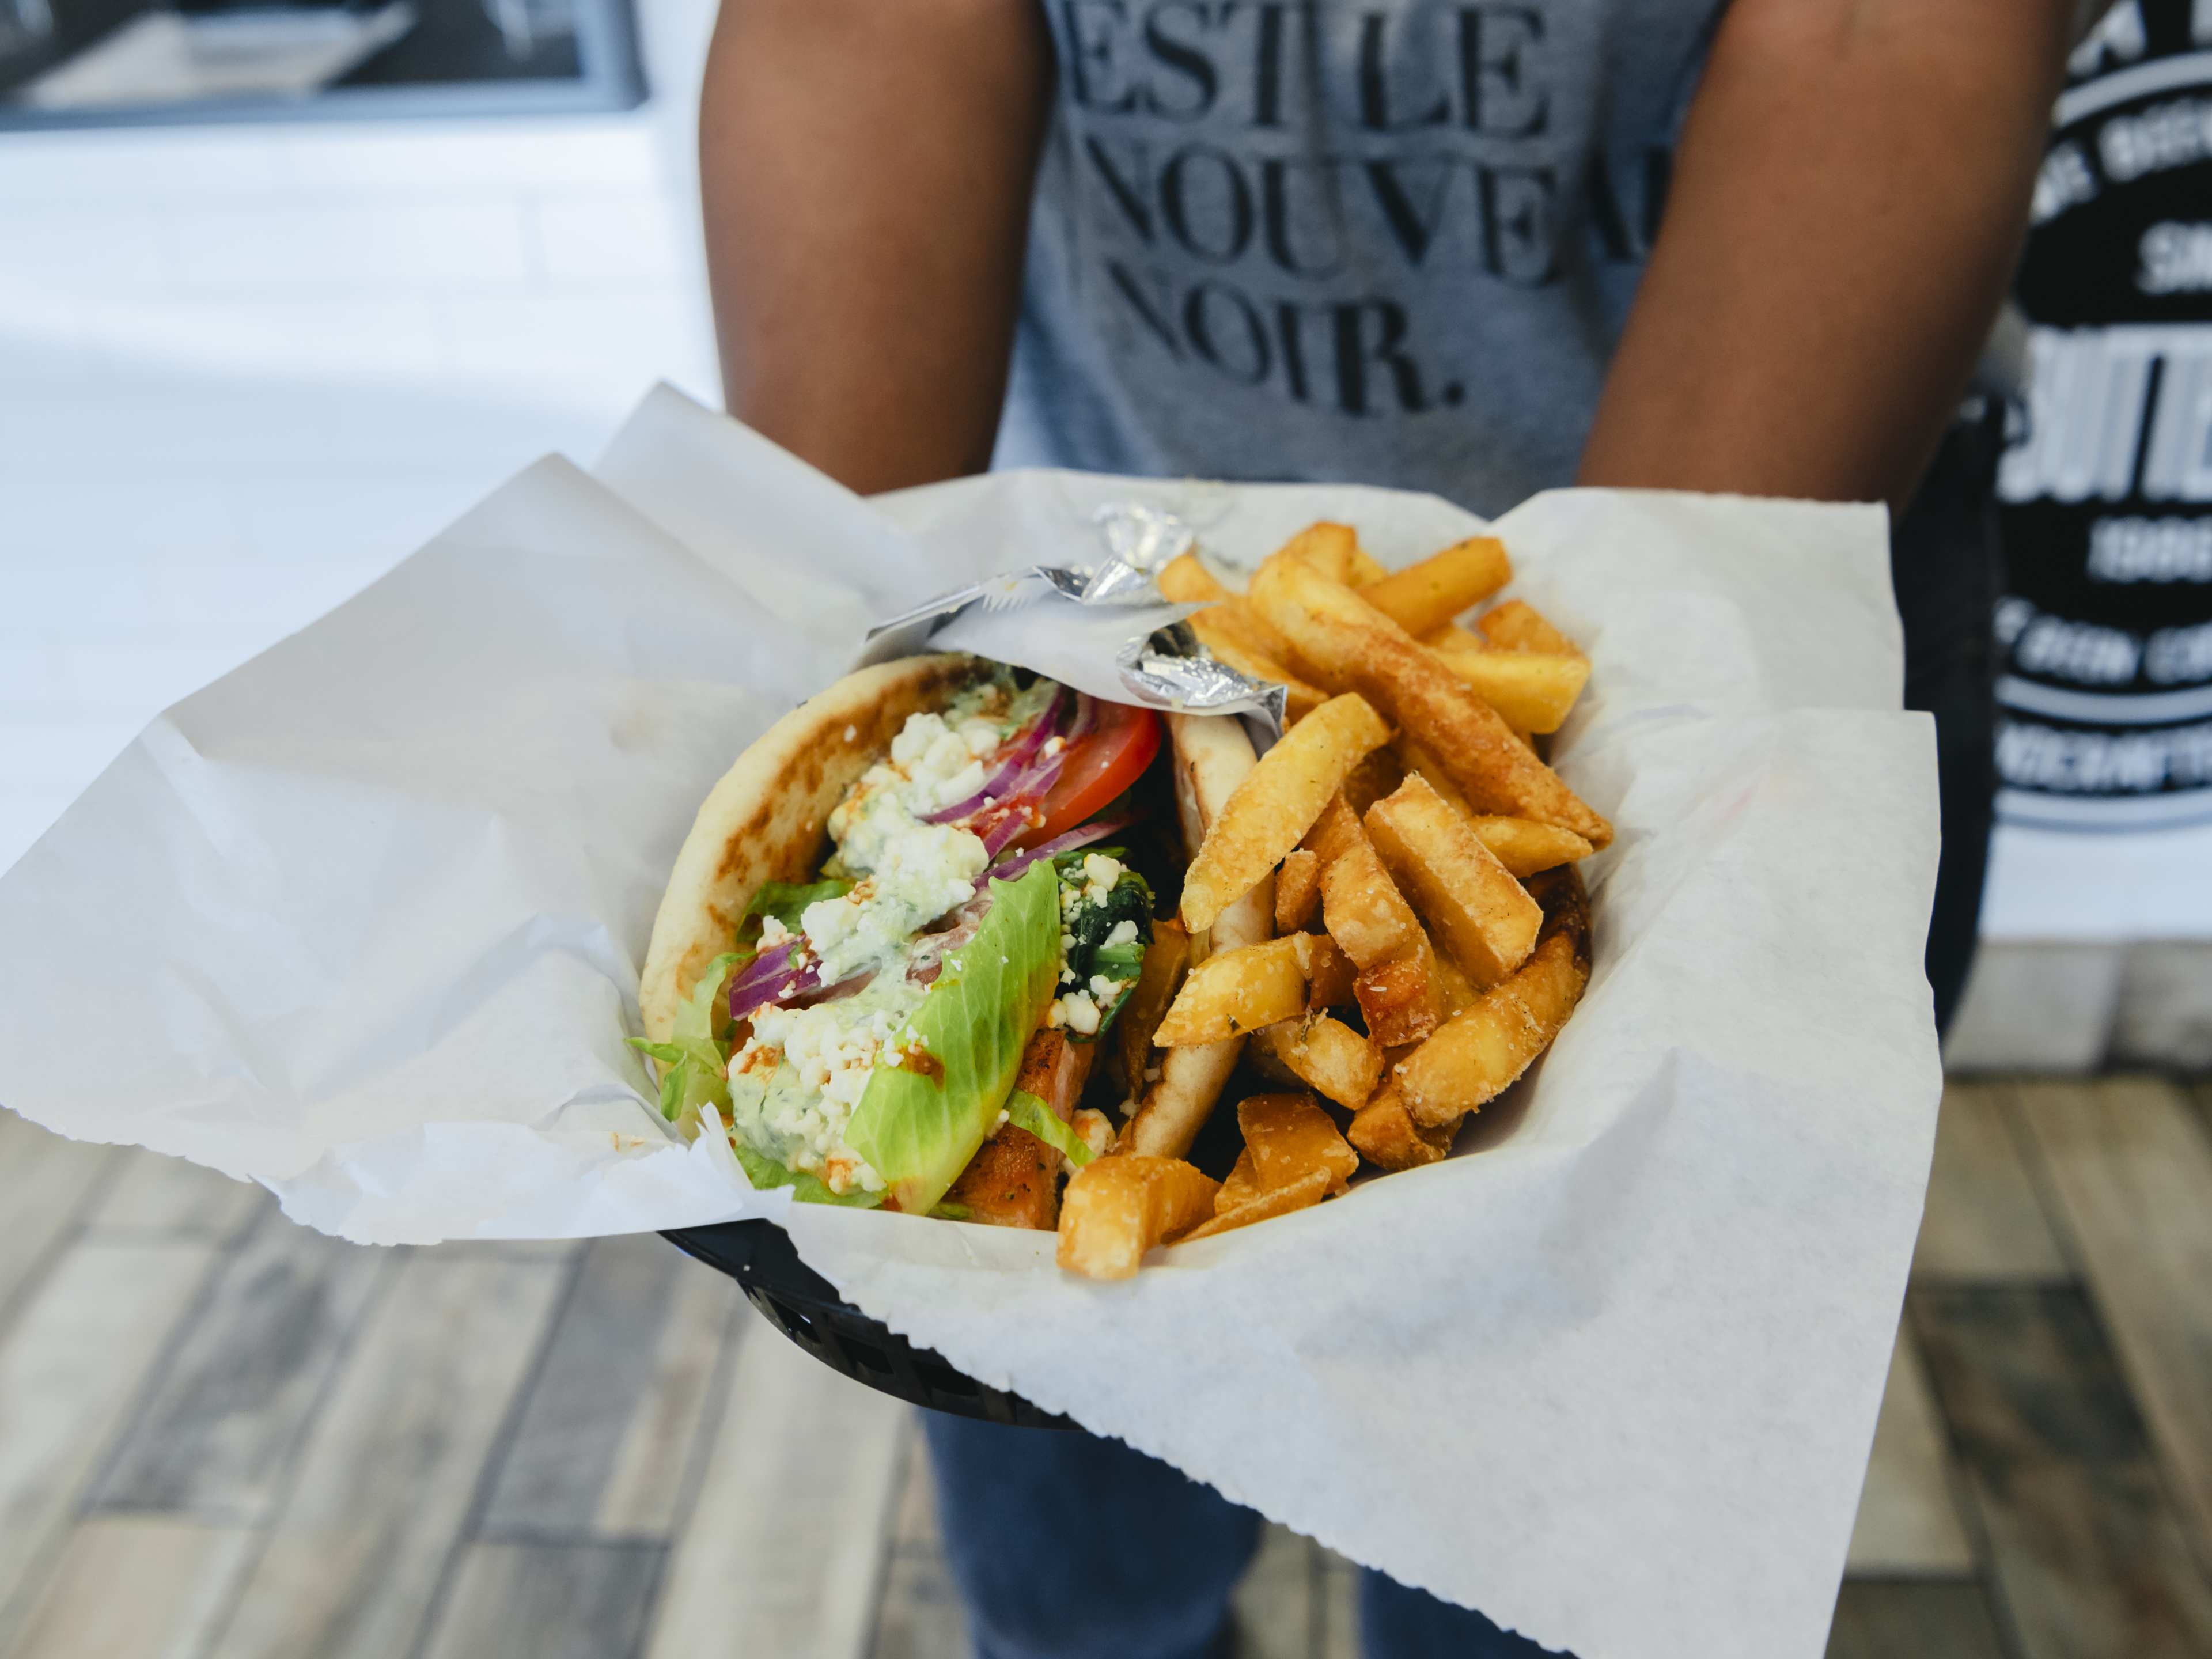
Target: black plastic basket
x=806, y=1308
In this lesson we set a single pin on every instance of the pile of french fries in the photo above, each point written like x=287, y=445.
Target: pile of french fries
x=1406, y=861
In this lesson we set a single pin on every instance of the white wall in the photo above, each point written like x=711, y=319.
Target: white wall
x=243, y=370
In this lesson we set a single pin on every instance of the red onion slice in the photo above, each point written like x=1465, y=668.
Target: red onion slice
x=1025, y=793
x=1012, y=828
x=769, y=977
x=1006, y=779
x=1086, y=714
x=995, y=788
x=837, y=992
x=1082, y=835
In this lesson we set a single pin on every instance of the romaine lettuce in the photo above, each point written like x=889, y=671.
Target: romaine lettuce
x=694, y=1069
x=919, y=1126
x=1025, y=1111
x=786, y=901
x=765, y=1173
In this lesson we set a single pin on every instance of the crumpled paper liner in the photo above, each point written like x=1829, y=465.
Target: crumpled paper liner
x=362, y=921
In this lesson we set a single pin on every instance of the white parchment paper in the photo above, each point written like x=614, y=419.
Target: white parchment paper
x=362, y=921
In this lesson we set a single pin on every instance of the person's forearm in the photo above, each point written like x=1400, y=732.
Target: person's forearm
x=866, y=171
x=1848, y=203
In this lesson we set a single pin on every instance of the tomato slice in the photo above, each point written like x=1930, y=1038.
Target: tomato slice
x=1110, y=758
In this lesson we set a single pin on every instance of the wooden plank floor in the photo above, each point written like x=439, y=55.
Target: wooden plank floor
x=223, y=1437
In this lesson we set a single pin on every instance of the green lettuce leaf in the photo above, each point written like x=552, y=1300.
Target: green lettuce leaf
x=786, y=901
x=919, y=1129
x=694, y=1064
x=1025, y=1111
x=765, y=1173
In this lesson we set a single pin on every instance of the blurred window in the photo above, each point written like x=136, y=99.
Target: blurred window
x=73, y=63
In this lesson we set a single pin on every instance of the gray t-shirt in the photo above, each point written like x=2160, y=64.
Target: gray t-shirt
x=1392, y=242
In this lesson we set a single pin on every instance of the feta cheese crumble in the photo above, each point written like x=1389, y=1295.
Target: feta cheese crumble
x=914, y=872
x=1077, y=1012
x=1098, y=872
x=794, y=1084
x=1094, y=1130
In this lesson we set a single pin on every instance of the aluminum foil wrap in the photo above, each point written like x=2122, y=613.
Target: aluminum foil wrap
x=1102, y=627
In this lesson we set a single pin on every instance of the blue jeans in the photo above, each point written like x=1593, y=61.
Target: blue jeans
x=1066, y=1545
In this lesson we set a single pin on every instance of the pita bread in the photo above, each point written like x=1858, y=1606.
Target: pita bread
x=766, y=819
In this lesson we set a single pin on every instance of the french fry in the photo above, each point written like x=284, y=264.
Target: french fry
x=1484, y=917
x=1454, y=988
x=1393, y=1055
x=1336, y=828
x=1452, y=637
x=1331, y=549
x=1167, y=959
x=1299, y=699
x=1234, y=619
x=1268, y=1203
x=1184, y=580
x=1525, y=847
x=1363, y=909
x=1405, y=988
x=1566, y=903
x=1387, y=1136
x=1276, y=803
x=1326, y=1055
x=1375, y=777
x=1518, y=625
x=1242, y=1186
x=1476, y=1054
x=1298, y=890
x=1349, y=643
x=1116, y=1208
x=1403, y=999
x=1335, y=550
x=1411, y=757
x=1365, y=570
x=1425, y=597
x=1532, y=691
x=1236, y=992
x=1414, y=758
x=1218, y=636
x=1289, y=1137
x=1212, y=755
x=1329, y=973
x=1264, y=1065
